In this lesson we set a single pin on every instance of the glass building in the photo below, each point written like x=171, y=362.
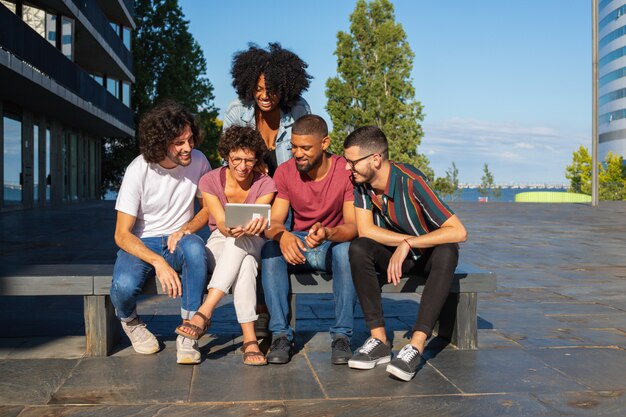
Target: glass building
x=612, y=77
x=65, y=79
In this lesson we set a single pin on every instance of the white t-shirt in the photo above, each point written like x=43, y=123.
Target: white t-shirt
x=161, y=199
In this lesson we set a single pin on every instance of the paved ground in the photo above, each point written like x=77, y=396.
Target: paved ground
x=551, y=339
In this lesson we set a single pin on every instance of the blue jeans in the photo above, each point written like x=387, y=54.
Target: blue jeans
x=130, y=273
x=328, y=257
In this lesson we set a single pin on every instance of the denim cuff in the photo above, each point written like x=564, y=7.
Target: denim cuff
x=128, y=319
x=186, y=314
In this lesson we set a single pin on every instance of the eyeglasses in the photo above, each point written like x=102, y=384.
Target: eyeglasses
x=237, y=161
x=356, y=161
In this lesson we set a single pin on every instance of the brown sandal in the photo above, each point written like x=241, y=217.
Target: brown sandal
x=248, y=355
x=196, y=332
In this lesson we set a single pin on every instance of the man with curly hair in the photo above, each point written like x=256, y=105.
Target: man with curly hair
x=269, y=85
x=156, y=224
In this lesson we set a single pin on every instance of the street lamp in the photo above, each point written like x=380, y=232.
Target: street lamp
x=594, y=112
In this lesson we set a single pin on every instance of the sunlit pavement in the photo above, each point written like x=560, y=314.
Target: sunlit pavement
x=551, y=339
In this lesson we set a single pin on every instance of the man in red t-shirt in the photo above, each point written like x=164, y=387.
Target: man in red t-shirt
x=319, y=191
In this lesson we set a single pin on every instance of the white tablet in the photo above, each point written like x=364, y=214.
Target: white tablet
x=240, y=214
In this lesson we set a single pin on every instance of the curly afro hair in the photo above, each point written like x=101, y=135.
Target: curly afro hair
x=285, y=73
x=239, y=137
x=160, y=126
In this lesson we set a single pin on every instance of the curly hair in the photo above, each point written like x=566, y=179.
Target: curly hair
x=160, y=126
x=285, y=73
x=238, y=137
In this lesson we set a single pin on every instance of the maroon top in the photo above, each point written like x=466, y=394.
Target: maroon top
x=315, y=201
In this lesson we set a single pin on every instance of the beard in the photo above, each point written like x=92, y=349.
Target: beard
x=362, y=177
x=315, y=163
x=176, y=158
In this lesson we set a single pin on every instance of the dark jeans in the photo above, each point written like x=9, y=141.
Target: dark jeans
x=368, y=262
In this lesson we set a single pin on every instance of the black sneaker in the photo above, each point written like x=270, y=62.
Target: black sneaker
x=280, y=351
x=341, y=352
x=261, y=326
x=373, y=352
x=406, y=363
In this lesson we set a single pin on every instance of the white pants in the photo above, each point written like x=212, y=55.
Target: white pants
x=234, y=263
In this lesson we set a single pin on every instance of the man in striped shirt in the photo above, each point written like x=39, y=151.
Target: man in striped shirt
x=403, y=228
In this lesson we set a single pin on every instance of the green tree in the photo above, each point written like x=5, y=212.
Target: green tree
x=373, y=85
x=448, y=186
x=611, y=175
x=612, y=178
x=488, y=185
x=579, y=172
x=168, y=64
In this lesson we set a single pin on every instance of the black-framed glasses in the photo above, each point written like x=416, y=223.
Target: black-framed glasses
x=356, y=161
x=237, y=161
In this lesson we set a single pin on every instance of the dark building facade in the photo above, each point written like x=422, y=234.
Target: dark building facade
x=65, y=78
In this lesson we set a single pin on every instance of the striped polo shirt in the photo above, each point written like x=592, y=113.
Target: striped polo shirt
x=409, y=205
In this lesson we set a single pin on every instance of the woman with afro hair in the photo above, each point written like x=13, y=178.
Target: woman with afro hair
x=269, y=83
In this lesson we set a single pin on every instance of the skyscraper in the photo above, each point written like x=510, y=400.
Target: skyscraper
x=65, y=79
x=612, y=77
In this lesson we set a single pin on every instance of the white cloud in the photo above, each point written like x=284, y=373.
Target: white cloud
x=515, y=153
x=525, y=145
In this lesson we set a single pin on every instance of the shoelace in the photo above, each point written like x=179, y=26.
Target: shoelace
x=408, y=353
x=187, y=341
x=140, y=324
x=370, y=344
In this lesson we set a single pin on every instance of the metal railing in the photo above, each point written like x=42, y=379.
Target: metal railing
x=100, y=22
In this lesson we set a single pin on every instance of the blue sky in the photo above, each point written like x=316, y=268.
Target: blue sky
x=504, y=83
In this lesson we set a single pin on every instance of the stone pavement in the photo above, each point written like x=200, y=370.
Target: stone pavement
x=551, y=339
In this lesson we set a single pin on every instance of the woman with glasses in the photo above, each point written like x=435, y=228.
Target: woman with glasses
x=269, y=83
x=234, y=253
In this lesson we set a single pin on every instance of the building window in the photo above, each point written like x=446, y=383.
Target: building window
x=98, y=78
x=73, y=167
x=36, y=162
x=116, y=28
x=9, y=5
x=65, y=155
x=12, y=161
x=113, y=87
x=48, y=177
x=35, y=18
x=126, y=36
x=67, y=37
x=126, y=93
x=51, y=29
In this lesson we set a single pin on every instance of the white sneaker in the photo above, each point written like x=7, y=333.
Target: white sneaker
x=142, y=339
x=187, y=351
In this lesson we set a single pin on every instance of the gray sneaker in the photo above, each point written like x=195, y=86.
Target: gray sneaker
x=406, y=363
x=187, y=351
x=372, y=353
x=141, y=338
